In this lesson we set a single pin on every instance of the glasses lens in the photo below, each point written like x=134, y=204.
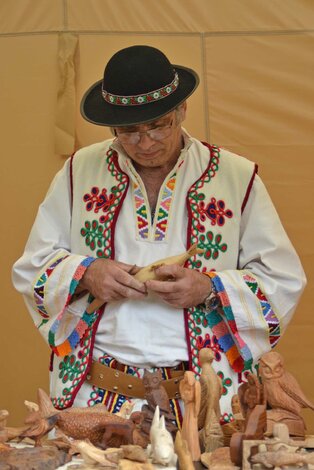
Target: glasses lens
x=129, y=137
x=158, y=133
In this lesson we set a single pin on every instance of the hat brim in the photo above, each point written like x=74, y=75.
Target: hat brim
x=97, y=111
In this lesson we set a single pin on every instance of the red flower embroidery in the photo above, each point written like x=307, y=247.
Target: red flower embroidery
x=98, y=201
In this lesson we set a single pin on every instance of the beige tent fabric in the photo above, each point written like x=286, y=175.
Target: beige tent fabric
x=256, y=97
x=66, y=99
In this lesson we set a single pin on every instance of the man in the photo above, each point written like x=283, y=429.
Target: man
x=151, y=192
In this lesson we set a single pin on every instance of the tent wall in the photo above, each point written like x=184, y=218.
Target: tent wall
x=256, y=97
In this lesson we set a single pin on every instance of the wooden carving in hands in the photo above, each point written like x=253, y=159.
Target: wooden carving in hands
x=149, y=272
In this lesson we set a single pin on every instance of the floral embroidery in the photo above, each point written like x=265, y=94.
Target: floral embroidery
x=212, y=245
x=72, y=369
x=269, y=315
x=210, y=342
x=69, y=368
x=193, y=199
x=195, y=196
x=215, y=211
x=93, y=233
x=97, y=201
x=226, y=382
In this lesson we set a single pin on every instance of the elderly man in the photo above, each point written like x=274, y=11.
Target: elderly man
x=148, y=193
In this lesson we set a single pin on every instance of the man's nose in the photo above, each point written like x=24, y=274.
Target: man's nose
x=145, y=141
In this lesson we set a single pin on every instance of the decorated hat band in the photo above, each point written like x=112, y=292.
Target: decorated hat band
x=144, y=98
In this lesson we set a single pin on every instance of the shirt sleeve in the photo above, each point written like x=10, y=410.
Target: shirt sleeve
x=258, y=299
x=48, y=273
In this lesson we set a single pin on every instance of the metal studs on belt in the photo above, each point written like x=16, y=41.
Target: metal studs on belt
x=130, y=386
x=88, y=377
x=101, y=376
x=116, y=374
x=115, y=388
x=177, y=395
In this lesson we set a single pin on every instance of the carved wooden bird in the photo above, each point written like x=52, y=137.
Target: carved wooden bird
x=281, y=388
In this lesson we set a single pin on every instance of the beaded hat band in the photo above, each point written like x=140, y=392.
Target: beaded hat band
x=144, y=98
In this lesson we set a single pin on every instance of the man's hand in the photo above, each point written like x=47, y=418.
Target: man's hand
x=185, y=288
x=109, y=280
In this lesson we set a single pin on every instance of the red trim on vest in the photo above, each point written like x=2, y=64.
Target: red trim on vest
x=248, y=190
x=118, y=209
x=71, y=179
x=189, y=231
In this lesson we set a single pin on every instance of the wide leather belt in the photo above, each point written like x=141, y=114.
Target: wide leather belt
x=116, y=381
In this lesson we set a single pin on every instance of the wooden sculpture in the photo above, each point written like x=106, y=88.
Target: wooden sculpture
x=39, y=426
x=255, y=428
x=190, y=390
x=283, y=394
x=250, y=393
x=93, y=455
x=253, y=407
x=162, y=446
x=183, y=453
x=35, y=458
x=211, y=435
x=149, y=272
x=156, y=395
x=282, y=459
x=219, y=459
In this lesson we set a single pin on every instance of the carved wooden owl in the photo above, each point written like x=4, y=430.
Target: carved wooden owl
x=281, y=388
x=155, y=392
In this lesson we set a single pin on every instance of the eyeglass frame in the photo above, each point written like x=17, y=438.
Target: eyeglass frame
x=148, y=132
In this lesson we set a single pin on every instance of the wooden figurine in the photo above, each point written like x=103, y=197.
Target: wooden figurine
x=183, y=453
x=210, y=435
x=283, y=394
x=219, y=459
x=94, y=456
x=190, y=390
x=162, y=447
x=255, y=428
x=250, y=393
x=156, y=395
x=39, y=426
x=149, y=272
x=282, y=459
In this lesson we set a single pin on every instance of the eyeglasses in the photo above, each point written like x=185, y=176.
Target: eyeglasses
x=157, y=133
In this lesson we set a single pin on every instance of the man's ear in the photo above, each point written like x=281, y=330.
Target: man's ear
x=183, y=108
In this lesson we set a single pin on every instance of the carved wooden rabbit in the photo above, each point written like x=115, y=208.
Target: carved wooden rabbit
x=162, y=446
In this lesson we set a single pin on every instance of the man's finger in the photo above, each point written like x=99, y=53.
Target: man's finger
x=161, y=286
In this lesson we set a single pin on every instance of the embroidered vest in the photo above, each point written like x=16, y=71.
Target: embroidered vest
x=219, y=190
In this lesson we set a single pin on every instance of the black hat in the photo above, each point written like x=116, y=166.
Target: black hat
x=139, y=85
